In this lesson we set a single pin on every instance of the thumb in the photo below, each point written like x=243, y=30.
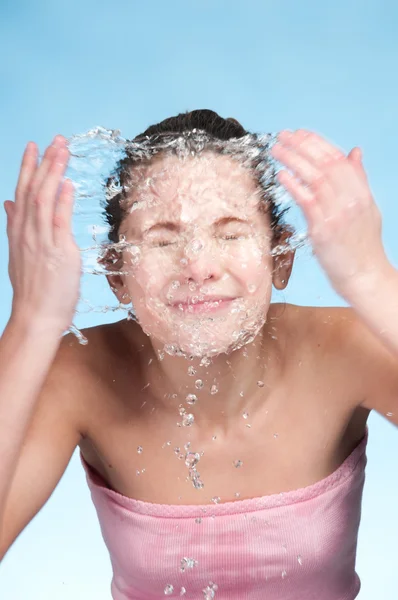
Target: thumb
x=355, y=157
x=7, y=207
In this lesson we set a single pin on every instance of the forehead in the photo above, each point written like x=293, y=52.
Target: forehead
x=208, y=186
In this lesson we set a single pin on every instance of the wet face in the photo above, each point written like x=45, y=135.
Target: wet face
x=199, y=268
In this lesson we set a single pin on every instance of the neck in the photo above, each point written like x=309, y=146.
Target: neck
x=221, y=390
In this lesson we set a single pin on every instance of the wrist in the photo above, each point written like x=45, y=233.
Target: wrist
x=35, y=328
x=377, y=285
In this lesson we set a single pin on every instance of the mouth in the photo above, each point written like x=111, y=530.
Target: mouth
x=204, y=306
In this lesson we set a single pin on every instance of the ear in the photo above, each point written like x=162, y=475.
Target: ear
x=283, y=263
x=112, y=261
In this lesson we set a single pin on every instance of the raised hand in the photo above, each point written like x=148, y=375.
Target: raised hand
x=44, y=260
x=344, y=222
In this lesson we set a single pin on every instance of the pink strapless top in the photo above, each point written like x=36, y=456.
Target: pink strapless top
x=297, y=545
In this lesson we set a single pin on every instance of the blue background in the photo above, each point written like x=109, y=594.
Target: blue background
x=330, y=67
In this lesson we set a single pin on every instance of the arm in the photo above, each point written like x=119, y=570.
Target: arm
x=40, y=424
x=25, y=359
x=344, y=226
x=376, y=303
x=371, y=362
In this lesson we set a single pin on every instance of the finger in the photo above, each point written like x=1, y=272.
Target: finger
x=312, y=147
x=300, y=166
x=26, y=173
x=299, y=192
x=317, y=149
x=47, y=195
x=325, y=146
x=356, y=157
x=27, y=215
x=62, y=220
x=48, y=158
x=302, y=195
x=9, y=207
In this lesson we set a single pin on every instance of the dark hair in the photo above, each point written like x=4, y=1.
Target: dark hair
x=212, y=124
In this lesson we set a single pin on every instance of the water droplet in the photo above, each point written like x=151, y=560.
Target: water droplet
x=187, y=446
x=237, y=494
x=205, y=362
x=209, y=592
x=191, y=399
x=241, y=394
x=187, y=563
x=135, y=254
x=284, y=574
x=191, y=370
x=187, y=420
x=390, y=414
x=216, y=499
x=195, y=246
x=238, y=463
x=183, y=591
x=252, y=288
x=168, y=590
x=260, y=384
x=176, y=450
x=198, y=384
x=245, y=415
x=192, y=459
x=214, y=437
x=213, y=389
x=300, y=560
x=198, y=520
x=195, y=478
x=276, y=435
x=139, y=449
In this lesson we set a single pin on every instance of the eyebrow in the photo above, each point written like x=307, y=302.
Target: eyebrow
x=172, y=226
x=228, y=220
x=169, y=225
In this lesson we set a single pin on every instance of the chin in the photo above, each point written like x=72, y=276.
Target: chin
x=191, y=336
x=209, y=343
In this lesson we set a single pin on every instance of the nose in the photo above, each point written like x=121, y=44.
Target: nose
x=200, y=261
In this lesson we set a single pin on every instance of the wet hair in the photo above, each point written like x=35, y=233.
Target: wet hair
x=215, y=127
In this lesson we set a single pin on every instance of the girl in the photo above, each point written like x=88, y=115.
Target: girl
x=223, y=436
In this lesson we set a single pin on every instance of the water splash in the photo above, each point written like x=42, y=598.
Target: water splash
x=92, y=169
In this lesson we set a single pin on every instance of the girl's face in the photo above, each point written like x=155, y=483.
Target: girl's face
x=199, y=268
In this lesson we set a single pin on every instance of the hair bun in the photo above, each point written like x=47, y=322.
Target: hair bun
x=232, y=120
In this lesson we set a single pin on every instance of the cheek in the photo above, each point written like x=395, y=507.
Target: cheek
x=249, y=260
x=150, y=275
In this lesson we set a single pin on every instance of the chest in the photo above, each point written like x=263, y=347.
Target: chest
x=303, y=433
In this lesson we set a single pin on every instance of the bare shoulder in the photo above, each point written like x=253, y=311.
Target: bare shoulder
x=78, y=369
x=363, y=356
x=101, y=370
